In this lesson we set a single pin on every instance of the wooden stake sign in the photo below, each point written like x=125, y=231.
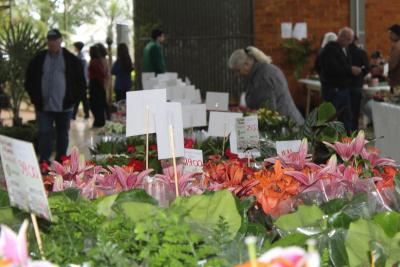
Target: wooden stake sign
x=172, y=147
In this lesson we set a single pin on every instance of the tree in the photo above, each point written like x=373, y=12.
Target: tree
x=19, y=43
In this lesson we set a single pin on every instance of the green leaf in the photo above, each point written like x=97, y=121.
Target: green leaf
x=337, y=249
x=7, y=216
x=71, y=193
x=333, y=206
x=326, y=112
x=360, y=235
x=339, y=220
x=328, y=135
x=389, y=221
x=4, y=200
x=205, y=210
x=104, y=205
x=305, y=216
x=137, y=211
x=295, y=239
x=135, y=195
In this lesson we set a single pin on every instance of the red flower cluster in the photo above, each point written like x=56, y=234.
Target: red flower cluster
x=131, y=149
x=136, y=164
x=189, y=143
x=153, y=147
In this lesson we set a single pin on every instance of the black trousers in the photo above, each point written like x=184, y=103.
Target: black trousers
x=85, y=103
x=98, y=102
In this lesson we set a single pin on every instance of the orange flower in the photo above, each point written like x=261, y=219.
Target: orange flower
x=275, y=190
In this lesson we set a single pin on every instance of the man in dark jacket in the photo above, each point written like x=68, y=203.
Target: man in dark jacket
x=336, y=74
x=55, y=81
x=359, y=58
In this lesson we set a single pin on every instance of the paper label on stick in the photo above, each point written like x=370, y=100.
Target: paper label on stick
x=139, y=103
x=194, y=115
x=222, y=123
x=193, y=161
x=217, y=101
x=166, y=115
x=23, y=177
x=287, y=146
x=246, y=140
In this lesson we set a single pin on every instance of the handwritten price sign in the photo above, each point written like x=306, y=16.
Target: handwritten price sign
x=284, y=147
x=193, y=161
x=247, y=134
x=24, y=180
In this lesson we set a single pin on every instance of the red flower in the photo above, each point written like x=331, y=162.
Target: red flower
x=189, y=143
x=137, y=165
x=64, y=158
x=230, y=155
x=153, y=147
x=131, y=149
x=44, y=167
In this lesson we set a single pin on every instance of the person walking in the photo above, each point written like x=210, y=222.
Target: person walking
x=394, y=59
x=266, y=84
x=122, y=69
x=153, y=55
x=85, y=103
x=55, y=81
x=336, y=74
x=97, y=92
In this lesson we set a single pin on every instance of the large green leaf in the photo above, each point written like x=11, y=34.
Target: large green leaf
x=206, y=210
x=137, y=211
x=305, y=217
x=104, y=205
x=333, y=206
x=326, y=112
x=361, y=234
x=389, y=221
x=295, y=239
x=135, y=195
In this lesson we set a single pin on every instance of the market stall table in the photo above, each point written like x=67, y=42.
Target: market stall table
x=315, y=86
x=387, y=128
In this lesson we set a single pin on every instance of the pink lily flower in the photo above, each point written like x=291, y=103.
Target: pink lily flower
x=289, y=256
x=375, y=160
x=185, y=185
x=310, y=180
x=296, y=160
x=130, y=180
x=14, y=248
x=73, y=169
x=348, y=149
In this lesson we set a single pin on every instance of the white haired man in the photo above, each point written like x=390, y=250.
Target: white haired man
x=336, y=75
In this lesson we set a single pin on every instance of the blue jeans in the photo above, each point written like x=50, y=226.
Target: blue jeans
x=341, y=100
x=46, y=121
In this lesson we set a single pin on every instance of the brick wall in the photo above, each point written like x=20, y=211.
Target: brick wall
x=321, y=16
x=380, y=15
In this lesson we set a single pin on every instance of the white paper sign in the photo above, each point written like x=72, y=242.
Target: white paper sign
x=137, y=106
x=193, y=161
x=169, y=114
x=245, y=140
x=24, y=180
x=167, y=76
x=300, y=31
x=286, y=30
x=217, y=101
x=194, y=96
x=287, y=146
x=194, y=115
x=222, y=123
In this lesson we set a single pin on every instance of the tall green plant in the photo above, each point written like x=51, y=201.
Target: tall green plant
x=18, y=43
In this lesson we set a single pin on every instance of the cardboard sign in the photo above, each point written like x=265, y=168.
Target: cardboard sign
x=194, y=115
x=217, y=101
x=139, y=103
x=169, y=114
x=222, y=123
x=287, y=146
x=246, y=140
x=24, y=180
x=193, y=161
x=194, y=96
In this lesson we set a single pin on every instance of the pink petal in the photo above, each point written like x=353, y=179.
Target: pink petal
x=22, y=243
x=9, y=244
x=299, y=176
